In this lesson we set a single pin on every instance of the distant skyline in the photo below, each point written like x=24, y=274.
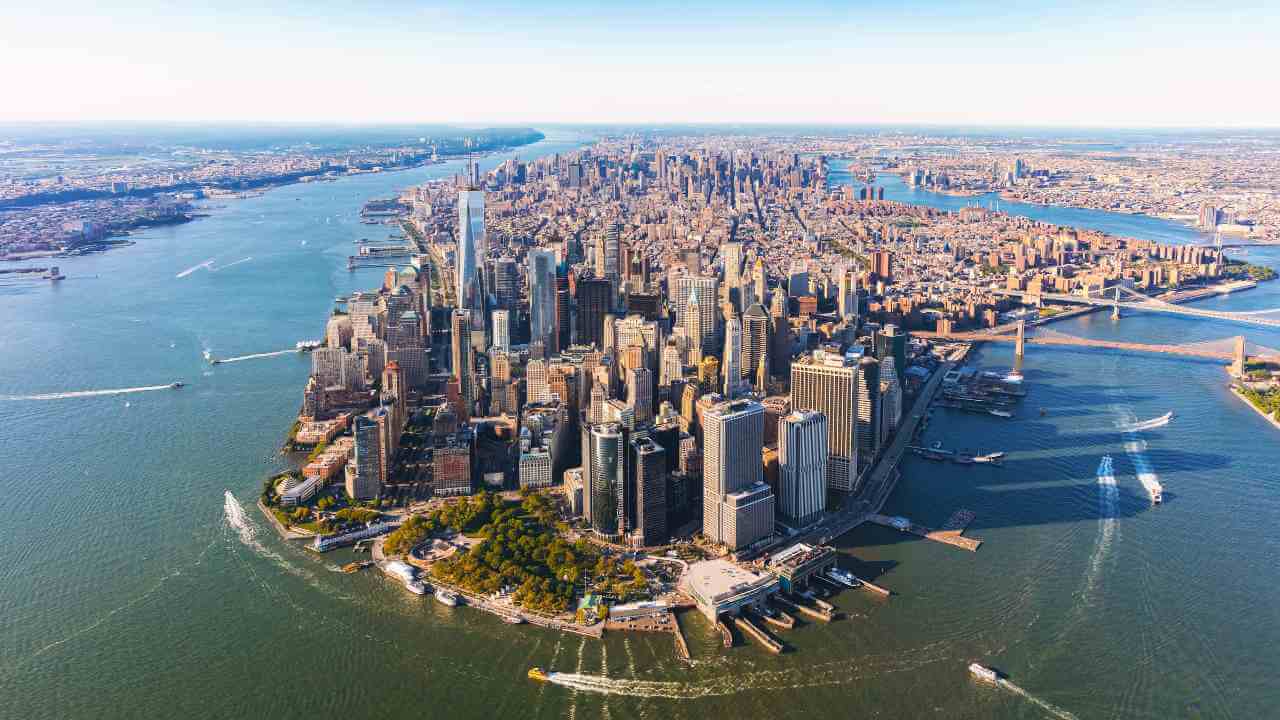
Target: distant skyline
x=927, y=63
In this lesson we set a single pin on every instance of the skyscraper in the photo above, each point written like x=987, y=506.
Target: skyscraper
x=365, y=481
x=594, y=303
x=608, y=478
x=640, y=393
x=647, y=483
x=828, y=383
x=737, y=506
x=732, y=366
x=755, y=342
x=731, y=255
x=868, y=429
x=890, y=341
x=470, y=253
x=802, y=467
x=462, y=362
x=502, y=330
x=542, y=297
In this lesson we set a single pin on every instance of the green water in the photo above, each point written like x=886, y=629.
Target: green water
x=126, y=591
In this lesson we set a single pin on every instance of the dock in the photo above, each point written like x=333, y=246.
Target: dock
x=874, y=587
x=779, y=619
x=725, y=633
x=749, y=629
x=682, y=647
x=950, y=533
x=809, y=612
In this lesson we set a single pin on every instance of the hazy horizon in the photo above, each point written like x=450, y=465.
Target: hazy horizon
x=1060, y=65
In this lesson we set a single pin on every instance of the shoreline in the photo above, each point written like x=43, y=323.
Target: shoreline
x=1240, y=396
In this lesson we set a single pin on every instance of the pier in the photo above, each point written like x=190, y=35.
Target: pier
x=809, y=612
x=749, y=629
x=682, y=647
x=949, y=533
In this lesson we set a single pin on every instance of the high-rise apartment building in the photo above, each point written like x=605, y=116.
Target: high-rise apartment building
x=606, y=459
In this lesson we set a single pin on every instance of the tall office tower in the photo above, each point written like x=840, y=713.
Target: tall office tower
x=828, y=383
x=635, y=330
x=760, y=283
x=671, y=367
x=732, y=365
x=776, y=407
x=542, y=297
x=595, y=409
x=882, y=264
x=798, y=280
x=462, y=362
x=755, y=342
x=535, y=377
x=366, y=480
x=470, y=254
x=640, y=393
x=608, y=478
x=890, y=341
x=891, y=399
x=647, y=483
x=595, y=300
x=868, y=430
x=707, y=290
x=847, y=300
x=737, y=507
x=692, y=323
x=731, y=255
x=506, y=282
x=608, y=252
x=564, y=312
x=802, y=467
x=692, y=258
x=502, y=330
x=395, y=395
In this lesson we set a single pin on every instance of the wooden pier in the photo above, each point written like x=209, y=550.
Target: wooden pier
x=950, y=533
x=874, y=587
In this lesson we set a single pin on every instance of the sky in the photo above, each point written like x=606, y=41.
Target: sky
x=1118, y=64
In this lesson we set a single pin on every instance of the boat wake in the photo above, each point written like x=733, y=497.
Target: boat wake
x=90, y=393
x=233, y=264
x=1108, y=500
x=1050, y=708
x=1152, y=424
x=256, y=356
x=207, y=264
x=1146, y=473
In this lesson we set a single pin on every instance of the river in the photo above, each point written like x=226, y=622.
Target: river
x=133, y=588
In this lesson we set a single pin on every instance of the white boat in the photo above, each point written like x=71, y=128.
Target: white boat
x=446, y=597
x=989, y=457
x=1001, y=413
x=844, y=577
x=512, y=619
x=1151, y=424
x=984, y=673
x=1153, y=487
x=416, y=587
x=1014, y=377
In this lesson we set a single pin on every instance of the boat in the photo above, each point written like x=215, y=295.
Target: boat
x=1014, y=377
x=994, y=457
x=1001, y=413
x=447, y=598
x=984, y=673
x=513, y=619
x=1043, y=412
x=215, y=361
x=1151, y=424
x=537, y=674
x=1152, y=486
x=177, y=385
x=308, y=345
x=844, y=577
x=354, y=566
x=416, y=587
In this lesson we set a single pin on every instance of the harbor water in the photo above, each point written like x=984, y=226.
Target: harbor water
x=133, y=586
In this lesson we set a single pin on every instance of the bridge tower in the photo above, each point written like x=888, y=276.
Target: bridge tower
x=1022, y=339
x=1237, y=357
x=1115, y=306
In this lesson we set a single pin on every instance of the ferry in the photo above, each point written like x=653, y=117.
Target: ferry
x=446, y=597
x=537, y=674
x=844, y=577
x=984, y=674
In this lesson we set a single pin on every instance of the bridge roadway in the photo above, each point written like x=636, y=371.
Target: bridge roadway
x=1151, y=305
x=1183, y=350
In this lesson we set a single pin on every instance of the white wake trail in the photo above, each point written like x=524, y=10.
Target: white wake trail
x=206, y=265
x=89, y=393
x=1108, y=499
x=1050, y=708
x=228, y=265
x=256, y=356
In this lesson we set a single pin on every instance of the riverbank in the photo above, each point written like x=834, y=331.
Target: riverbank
x=1269, y=418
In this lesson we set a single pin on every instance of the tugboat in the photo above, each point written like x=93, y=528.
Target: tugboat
x=537, y=674
x=984, y=673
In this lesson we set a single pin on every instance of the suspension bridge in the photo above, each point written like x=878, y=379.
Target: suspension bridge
x=1125, y=298
x=1235, y=350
